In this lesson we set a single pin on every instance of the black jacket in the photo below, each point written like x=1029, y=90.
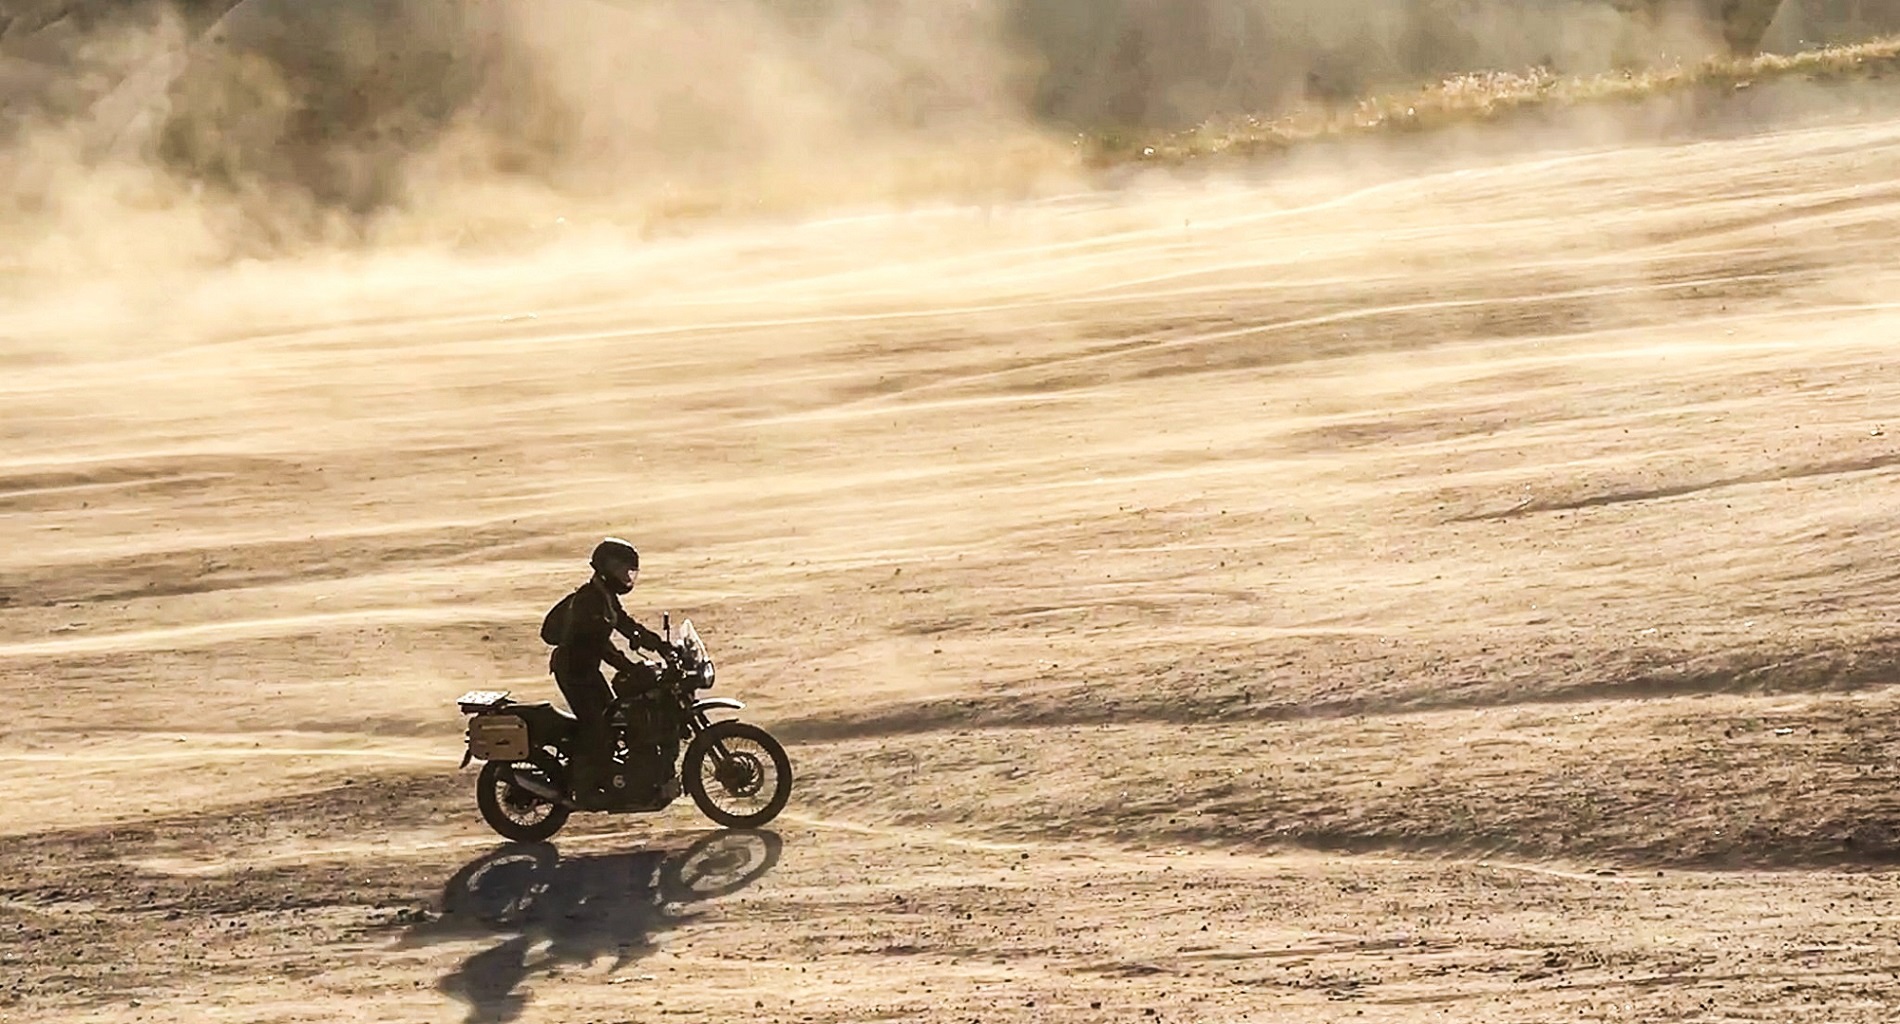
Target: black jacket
x=593, y=616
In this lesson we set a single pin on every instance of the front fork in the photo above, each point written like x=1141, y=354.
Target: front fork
x=717, y=753
x=700, y=724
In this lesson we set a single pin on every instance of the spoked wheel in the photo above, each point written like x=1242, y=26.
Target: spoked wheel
x=738, y=774
x=513, y=811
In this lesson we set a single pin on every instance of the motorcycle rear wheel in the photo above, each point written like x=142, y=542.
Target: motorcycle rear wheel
x=743, y=764
x=497, y=798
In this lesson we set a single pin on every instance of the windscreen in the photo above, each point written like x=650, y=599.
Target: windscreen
x=694, y=651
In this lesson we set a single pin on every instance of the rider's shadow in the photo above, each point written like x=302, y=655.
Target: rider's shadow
x=557, y=911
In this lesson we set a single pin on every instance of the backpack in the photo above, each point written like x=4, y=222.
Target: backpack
x=554, y=624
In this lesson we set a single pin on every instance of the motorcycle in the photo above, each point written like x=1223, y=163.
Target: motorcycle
x=737, y=773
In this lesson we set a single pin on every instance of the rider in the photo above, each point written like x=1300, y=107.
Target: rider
x=583, y=639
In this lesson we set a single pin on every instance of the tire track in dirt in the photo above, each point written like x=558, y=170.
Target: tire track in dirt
x=1842, y=467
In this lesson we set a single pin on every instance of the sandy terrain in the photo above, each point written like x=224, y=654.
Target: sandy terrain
x=1453, y=592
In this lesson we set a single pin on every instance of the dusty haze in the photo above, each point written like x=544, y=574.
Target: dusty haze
x=139, y=134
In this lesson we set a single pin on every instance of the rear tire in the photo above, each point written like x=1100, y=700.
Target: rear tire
x=495, y=796
x=703, y=765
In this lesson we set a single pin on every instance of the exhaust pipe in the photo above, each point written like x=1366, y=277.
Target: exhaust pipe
x=537, y=787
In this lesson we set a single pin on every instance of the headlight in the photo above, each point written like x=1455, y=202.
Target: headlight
x=706, y=676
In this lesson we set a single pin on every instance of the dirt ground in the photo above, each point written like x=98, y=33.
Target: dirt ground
x=1363, y=592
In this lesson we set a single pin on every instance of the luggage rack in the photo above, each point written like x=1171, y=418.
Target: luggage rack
x=481, y=700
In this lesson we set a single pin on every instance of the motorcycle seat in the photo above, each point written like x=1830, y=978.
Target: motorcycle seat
x=546, y=708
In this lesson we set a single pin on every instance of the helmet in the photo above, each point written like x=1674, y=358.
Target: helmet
x=610, y=558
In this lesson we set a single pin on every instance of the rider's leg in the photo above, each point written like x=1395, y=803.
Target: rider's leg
x=587, y=696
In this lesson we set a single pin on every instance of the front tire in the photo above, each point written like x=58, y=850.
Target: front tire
x=515, y=813
x=738, y=774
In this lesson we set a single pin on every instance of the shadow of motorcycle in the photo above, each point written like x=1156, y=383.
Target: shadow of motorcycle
x=571, y=911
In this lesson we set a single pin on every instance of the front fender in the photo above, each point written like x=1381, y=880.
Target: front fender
x=700, y=707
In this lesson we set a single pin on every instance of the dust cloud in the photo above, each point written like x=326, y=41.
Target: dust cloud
x=1139, y=62
x=142, y=137
x=161, y=135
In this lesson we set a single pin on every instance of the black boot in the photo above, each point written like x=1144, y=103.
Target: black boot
x=587, y=786
x=590, y=765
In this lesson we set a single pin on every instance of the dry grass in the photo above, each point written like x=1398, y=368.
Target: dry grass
x=1488, y=96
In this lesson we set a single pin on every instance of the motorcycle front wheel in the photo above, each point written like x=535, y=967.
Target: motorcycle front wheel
x=514, y=812
x=738, y=774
